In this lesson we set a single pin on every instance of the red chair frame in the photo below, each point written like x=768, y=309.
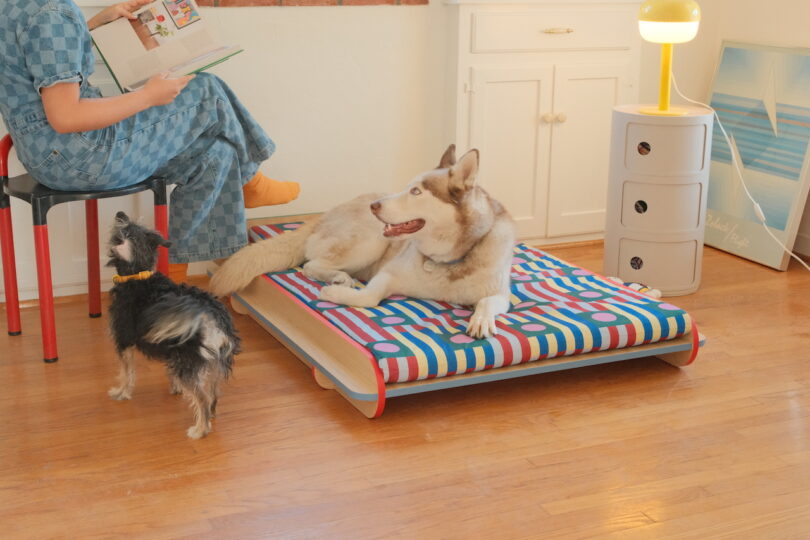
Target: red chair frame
x=43, y=199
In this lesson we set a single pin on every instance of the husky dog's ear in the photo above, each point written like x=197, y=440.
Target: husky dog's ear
x=463, y=174
x=121, y=219
x=448, y=158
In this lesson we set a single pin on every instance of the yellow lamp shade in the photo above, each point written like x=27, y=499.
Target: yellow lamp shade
x=669, y=21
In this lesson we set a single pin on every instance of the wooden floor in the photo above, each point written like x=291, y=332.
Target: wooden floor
x=639, y=449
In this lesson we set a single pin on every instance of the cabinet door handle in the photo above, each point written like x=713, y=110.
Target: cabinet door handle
x=561, y=117
x=548, y=118
x=558, y=30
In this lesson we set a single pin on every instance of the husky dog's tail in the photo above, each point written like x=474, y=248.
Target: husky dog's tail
x=272, y=255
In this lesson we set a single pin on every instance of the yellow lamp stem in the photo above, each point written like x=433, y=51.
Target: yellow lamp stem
x=663, y=108
x=666, y=75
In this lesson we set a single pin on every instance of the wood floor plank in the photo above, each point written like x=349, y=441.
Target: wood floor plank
x=638, y=449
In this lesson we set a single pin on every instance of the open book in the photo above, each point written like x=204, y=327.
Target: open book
x=167, y=35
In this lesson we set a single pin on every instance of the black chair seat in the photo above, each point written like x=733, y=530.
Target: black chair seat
x=42, y=198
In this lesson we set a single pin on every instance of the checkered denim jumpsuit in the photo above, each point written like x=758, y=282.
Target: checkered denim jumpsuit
x=205, y=141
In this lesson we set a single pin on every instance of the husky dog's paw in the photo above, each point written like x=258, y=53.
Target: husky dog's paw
x=481, y=326
x=334, y=293
x=119, y=393
x=342, y=278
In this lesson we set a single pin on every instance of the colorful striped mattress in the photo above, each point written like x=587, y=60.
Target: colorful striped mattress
x=557, y=309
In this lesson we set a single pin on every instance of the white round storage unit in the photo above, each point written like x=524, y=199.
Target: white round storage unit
x=656, y=203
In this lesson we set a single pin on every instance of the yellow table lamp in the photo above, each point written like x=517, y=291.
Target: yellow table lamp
x=667, y=22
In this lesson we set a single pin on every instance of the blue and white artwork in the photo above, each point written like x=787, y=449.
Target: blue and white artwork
x=762, y=96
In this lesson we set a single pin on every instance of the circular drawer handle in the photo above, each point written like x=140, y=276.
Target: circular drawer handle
x=558, y=30
x=562, y=117
x=548, y=118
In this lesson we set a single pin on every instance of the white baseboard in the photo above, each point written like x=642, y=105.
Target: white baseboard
x=66, y=289
x=80, y=287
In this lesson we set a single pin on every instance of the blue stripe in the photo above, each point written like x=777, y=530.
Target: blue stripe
x=579, y=341
x=432, y=366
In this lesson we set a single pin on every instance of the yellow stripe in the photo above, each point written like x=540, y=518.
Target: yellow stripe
x=403, y=305
x=587, y=337
x=441, y=358
x=672, y=326
x=634, y=319
x=534, y=346
x=552, y=344
x=656, y=328
x=421, y=358
x=480, y=359
x=461, y=361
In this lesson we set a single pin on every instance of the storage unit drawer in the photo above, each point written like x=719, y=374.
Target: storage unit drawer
x=667, y=266
x=552, y=30
x=661, y=150
x=661, y=207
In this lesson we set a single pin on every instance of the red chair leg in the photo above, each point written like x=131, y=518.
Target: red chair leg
x=93, y=263
x=9, y=273
x=45, y=283
x=162, y=225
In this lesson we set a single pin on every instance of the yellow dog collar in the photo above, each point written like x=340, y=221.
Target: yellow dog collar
x=146, y=274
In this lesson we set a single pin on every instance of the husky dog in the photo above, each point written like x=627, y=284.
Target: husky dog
x=184, y=327
x=442, y=238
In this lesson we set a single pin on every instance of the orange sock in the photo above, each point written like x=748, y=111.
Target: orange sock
x=263, y=191
x=178, y=272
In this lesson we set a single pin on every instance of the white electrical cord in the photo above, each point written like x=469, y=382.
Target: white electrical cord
x=734, y=159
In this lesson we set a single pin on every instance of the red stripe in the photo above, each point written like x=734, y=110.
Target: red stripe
x=288, y=279
x=413, y=368
x=631, y=335
x=614, y=337
x=525, y=347
x=506, y=347
x=348, y=323
x=538, y=292
x=393, y=369
x=455, y=323
x=371, y=324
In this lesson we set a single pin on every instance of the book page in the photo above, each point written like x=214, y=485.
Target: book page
x=165, y=34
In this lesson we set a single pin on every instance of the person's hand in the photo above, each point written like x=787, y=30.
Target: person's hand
x=116, y=11
x=161, y=90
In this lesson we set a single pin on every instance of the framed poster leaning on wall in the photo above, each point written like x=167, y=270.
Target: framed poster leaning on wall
x=762, y=96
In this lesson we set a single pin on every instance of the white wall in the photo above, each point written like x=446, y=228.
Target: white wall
x=352, y=96
x=782, y=23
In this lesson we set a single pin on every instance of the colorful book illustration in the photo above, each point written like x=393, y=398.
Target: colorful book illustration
x=182, y=12
x=166, y=36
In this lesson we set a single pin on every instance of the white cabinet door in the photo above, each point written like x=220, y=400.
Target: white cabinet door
x=506, y=125
x=584, y=97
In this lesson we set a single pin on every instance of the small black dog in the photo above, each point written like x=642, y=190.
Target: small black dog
x=184, y=327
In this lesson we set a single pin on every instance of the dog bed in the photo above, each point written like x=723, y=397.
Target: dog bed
x=561, y=317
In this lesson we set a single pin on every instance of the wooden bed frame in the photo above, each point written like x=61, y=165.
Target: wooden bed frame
x=339, y=363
